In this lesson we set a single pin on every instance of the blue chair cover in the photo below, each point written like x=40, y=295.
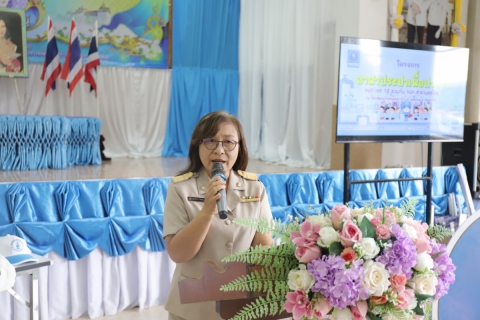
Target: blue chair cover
x=438, y=183
x=411, y=188
x=387, y=190
x=301, y=188
x=363, y=191
x=453, y=186
x=330, y=186
x=40, y=142
x=276, y=186
x=75, y=217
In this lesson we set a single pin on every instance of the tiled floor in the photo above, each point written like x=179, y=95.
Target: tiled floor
x=155, y=313
x=124, y=168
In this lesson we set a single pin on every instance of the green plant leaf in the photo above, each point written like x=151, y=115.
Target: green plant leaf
x=418, y=310
x=335, y=248
x=372, y=317
x=367, y=228
x=421, y=297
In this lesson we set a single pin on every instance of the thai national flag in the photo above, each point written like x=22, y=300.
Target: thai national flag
x=93, y=61
x=51, y=65
x=73, y=66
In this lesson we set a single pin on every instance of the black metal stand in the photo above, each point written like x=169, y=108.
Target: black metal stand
x=428, y=178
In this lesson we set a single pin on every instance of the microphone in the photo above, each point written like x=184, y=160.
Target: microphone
x=217, y=171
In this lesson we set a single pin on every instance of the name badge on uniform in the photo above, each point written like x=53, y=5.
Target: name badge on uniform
x=196, y=199
x=250, y=198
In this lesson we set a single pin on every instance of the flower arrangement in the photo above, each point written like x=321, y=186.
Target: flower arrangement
x=363, y=263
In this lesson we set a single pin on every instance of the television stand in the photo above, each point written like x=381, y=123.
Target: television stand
x=347, y=182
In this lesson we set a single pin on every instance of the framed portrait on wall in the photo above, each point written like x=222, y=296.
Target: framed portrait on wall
x=13, y=43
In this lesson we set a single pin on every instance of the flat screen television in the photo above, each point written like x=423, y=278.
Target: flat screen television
x=400, y=92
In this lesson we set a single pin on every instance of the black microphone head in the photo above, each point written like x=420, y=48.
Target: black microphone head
x=217, y=169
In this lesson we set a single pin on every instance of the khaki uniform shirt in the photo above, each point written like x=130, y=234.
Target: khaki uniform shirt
x=223, y=238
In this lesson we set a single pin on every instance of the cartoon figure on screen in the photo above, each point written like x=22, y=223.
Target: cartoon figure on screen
x=427, y=110
x=406, y=109
x=388, y=111
x=416, y=113
x=382, y=113
x=8, y=49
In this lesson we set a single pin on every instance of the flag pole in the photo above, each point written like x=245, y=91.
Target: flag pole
x=98, y=103
x=46, y=106
x=18, y=95
x=96, y=90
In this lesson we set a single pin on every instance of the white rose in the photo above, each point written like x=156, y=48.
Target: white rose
x=412, y=233
x=366, y=215
x=412, y=304
x=423, y=261
x=300, y=279
x=322, y=220
x=376, y=278
x=369, y=248
x=389, y=316
x=342, y=314
x=424, y=284
x=327, y=236
x=356, y=212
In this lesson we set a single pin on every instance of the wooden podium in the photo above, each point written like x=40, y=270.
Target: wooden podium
x=207, y=288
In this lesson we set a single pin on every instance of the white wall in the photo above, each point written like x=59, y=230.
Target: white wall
x=473, y=93
x=369, y=19
x=360, y=19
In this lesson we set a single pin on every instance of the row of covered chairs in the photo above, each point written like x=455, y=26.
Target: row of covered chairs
x=299, y=194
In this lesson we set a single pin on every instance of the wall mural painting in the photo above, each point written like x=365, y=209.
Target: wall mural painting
x=132, y=33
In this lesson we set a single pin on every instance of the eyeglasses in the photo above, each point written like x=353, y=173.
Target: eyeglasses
x=212, y=144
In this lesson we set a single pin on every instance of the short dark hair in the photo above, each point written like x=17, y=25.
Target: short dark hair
x=6, y=20
x=208, y=127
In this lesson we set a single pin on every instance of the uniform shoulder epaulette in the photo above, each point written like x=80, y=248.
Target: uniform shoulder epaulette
x=182, y=177
x=248, y=175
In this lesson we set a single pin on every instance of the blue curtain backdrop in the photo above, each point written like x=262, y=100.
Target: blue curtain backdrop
x=205, y=67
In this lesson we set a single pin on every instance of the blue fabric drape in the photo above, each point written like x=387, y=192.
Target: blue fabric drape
x=363, y=191
x=207, y=80
x=303, y=194
x=411, y=188
x=390, y=189
x=330, y=186
x=276, y=186
x=41, y=142
x=75, y=217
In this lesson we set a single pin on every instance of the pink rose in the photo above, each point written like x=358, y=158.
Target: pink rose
x=307, y=236
x=383, y=231
x=338, y=214
x=403, y=299
x=298, y=304
x=359, y=311
x=375, y=222
x=422, y=241
x=321, y=307
x=389, y=216
x=350, y=234
x=398, y=282
x=308, y=254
